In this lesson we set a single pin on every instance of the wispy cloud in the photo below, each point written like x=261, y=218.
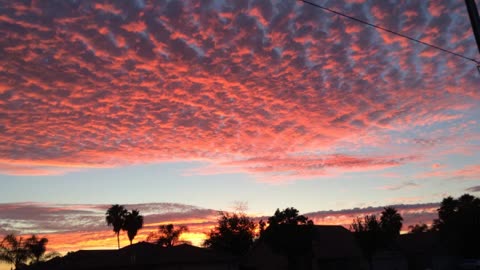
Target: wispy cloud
x=473, y=189
x=468, y=172
x=282, y=169
x=403, y=185
x=45, y=218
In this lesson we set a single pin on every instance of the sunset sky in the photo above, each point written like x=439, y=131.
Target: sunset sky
x=184, y=108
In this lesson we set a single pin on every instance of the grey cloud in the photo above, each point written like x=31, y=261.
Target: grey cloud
x=473, y=189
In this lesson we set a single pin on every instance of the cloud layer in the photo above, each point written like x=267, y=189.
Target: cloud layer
x=411, y=213
x=275, y=89
x=71, y=227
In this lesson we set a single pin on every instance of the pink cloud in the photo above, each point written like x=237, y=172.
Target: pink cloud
x=436, y=9
x=244, y=88
x=437, y=166
x=278, y=169
x=469, y=172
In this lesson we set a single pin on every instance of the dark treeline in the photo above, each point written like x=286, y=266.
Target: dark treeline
x=289, y=234
x=286, y=232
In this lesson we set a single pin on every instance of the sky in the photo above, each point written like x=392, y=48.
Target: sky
x=182, y=109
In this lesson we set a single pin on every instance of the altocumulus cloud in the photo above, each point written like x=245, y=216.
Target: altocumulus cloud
x=274, y=89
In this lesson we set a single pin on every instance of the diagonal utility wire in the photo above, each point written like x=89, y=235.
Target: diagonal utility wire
x=390, y=31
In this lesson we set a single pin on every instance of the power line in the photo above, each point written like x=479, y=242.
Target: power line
x=390, y=31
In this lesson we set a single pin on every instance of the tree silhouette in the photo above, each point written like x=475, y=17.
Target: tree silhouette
x=261, y=227
x=13, y=251
x=115, y=217
x=36, y=247
x=373, y=234
x=288, y=216
x=289, y=234
x=133, y=222
x=390, y=224
x=459, y=225
x=368, y=233
x=167, y=235
x=418, y=228
x=234, y=233
x=18, y=252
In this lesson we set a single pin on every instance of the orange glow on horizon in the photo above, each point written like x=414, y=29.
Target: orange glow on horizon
x=72, y=241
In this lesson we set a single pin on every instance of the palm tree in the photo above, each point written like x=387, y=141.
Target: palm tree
x=133, y=223
x=115, y=217
x=390, y=223
x=167, y=235
x=36, y=247
x=13, y=251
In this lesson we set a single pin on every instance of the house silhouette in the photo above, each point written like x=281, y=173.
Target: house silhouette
x=333, y=247
x=142, y=256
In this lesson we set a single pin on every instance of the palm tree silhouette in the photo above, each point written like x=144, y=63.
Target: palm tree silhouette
x=133, y=223
x=115, y=217
x=390, y=223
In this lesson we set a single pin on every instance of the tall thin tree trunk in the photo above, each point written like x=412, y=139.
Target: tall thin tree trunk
x=118, y=240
